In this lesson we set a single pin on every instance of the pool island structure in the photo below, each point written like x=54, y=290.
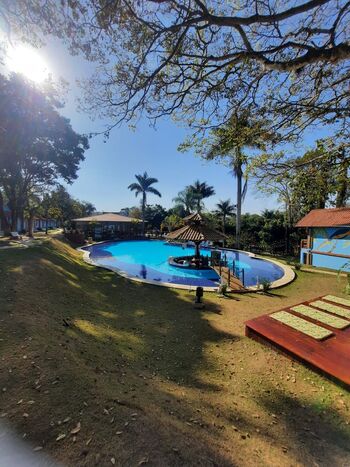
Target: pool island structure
x=197, y=232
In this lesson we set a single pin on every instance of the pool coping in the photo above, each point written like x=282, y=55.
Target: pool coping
x=289, y=274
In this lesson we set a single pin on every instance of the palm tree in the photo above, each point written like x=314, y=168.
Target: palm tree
x=239, y=159
x=143, y=187
x=240, y=133
x=201, y=190
x=187, y=199
x=225, y=209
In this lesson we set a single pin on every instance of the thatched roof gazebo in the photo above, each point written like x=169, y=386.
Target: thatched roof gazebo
x=196, y=231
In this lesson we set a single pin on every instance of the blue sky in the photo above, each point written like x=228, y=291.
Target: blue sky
x=110, y=166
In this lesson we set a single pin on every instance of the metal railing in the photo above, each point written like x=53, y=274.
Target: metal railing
x=232, y=270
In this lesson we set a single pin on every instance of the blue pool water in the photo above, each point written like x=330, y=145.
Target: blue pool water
x=148, y=259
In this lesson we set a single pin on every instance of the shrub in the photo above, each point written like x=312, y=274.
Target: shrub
x=265, y=285
x=297, y=266
x=223, y=289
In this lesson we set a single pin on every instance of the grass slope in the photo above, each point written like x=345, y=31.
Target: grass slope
x=150, y=379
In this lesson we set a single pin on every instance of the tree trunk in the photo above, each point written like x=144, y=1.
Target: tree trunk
x=30, y=225
x=46, y=224
x=5, y=226
x=239, y=207
x=12, y=198
x=143, y=213
x=14, y=218
x=287, y=220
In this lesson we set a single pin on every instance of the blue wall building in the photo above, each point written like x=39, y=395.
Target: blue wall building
x=328, y=238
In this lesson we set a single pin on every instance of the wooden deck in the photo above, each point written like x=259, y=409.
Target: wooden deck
x=330, y=356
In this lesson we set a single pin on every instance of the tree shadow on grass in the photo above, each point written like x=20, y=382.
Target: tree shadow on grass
x=274, y=294
x=126, y=348
x=153, y=327
x=315, y=433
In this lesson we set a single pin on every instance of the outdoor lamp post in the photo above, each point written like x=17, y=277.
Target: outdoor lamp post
x=198, y=302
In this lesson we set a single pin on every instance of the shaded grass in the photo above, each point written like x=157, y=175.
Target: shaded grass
x=149, y=377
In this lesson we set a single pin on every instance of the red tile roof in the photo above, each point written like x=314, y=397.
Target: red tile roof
x=326, y=218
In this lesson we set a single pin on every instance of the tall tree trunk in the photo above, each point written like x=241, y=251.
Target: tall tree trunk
x=30, y=225
x=5, y=226
x=22, y=219
x=11, y=195
x=287, y=221
x=14, y=218
x=239, y=206
x=224, y=224
x=143, y=213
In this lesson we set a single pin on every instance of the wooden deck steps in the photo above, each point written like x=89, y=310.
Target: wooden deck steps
x=227, y=276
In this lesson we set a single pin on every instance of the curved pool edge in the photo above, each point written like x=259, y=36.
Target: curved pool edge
x=288, y=276
x=120, y=272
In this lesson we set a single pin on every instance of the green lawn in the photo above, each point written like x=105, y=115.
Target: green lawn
x=149, y=378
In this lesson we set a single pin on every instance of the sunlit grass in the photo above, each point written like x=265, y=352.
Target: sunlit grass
x=108, y=314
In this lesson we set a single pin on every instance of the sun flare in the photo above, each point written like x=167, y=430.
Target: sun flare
x=29, y=62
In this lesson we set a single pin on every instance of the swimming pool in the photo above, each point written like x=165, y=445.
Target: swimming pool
x=147, y=260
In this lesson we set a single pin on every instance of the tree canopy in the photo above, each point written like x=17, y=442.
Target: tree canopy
x=38, y=145
x=62, y=206
x=201, y=191
x=224, y=210
x=229, y=144
x=186, y=199
x=317, y=179
x=288, y=61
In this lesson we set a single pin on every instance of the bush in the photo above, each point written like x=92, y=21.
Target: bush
x=265, y=285
x=297, y=266
x=223, y=289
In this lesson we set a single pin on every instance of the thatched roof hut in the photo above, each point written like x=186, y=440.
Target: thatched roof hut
x=196, y=231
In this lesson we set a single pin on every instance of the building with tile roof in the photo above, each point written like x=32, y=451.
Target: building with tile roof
x=328, y=238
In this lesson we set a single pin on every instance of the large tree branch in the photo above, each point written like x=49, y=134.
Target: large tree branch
x=263, y=19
